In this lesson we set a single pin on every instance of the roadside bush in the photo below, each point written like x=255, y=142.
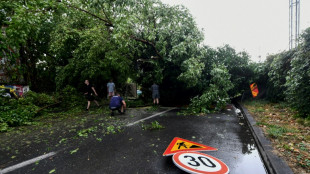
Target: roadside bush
x=4, y=127
x=39, y=99
x=23, y=110
x=298, y=88
x=16, y=112
x=70, y=97
x=277, y=74
x=297, y=81
x=289, y=76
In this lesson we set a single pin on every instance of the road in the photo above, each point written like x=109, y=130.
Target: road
x=136, y=150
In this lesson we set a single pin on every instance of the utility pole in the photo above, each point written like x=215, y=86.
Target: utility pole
x=294, y=23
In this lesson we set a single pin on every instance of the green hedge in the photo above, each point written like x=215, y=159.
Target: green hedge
x=16, y=112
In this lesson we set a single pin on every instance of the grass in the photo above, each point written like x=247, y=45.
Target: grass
x=289, y=134
x=276, y=131
x=260, y=109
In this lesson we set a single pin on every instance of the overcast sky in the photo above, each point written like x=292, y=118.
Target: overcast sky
x=259, y=27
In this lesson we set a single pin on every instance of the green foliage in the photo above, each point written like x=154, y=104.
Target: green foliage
x=278, y=69
x=70, y=97
x=259, y=109
x=172, y=53
x=111, y=129
x=85, y=132
x=51, y=44
x=286, y=76
x=237, y=65
x=221, y=78
x=260, y=73
x=52, y=171
x=4, y=127
x=26, y=25
x=298, y=78
x=16, y=112
x=135, y=103
x=193, y=69
x=156, y=125
x=298, y=88
x=39, y=99
x=62, y=43
x=304, y=121
x=74, y=151
x=110, y=42
x=153, y=126
x=216, y=96
x=276, y=131
x=206, y=102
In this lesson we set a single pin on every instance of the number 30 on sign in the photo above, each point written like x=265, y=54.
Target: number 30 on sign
x=195, y=162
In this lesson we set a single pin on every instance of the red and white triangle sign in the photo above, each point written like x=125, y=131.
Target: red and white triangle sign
x=183, y=145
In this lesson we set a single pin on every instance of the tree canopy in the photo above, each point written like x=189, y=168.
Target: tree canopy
x=50, y=44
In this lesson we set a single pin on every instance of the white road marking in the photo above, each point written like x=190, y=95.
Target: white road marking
x=25, y=163
x=130, y=124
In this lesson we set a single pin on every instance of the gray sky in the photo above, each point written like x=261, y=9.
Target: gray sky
x=259, y=27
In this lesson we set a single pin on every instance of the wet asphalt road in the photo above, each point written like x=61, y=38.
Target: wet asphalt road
x=136, y=150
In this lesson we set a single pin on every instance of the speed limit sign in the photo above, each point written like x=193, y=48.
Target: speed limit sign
x=195, y=162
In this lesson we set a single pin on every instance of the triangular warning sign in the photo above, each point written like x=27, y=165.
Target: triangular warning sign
x=179, y=144
x=254, y=89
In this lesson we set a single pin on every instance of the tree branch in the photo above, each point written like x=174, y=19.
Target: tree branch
x=148, y=43
x=105, y=14
x=107, y=23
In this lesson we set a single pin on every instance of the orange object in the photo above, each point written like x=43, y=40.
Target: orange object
x=254, y=89
x=182, y=145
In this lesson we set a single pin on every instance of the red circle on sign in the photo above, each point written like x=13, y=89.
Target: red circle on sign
x=176, y=159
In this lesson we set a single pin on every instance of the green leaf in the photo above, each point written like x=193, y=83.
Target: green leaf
x=74, y=151
x=52, y=171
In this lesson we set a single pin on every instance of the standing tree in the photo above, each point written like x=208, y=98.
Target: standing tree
x=298, y=79
x=27, y=26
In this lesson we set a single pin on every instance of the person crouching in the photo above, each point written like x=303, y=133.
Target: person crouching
x=117, y=103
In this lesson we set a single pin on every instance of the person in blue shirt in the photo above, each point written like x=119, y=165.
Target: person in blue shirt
x=117, y=103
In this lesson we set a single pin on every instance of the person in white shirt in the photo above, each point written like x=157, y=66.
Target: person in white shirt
x=110, y=89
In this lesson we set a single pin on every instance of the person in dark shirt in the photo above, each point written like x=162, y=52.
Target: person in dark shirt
x=90, y=90
x=117, y=103
x=155, y=93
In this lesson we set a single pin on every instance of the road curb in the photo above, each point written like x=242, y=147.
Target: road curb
x=274, y=164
